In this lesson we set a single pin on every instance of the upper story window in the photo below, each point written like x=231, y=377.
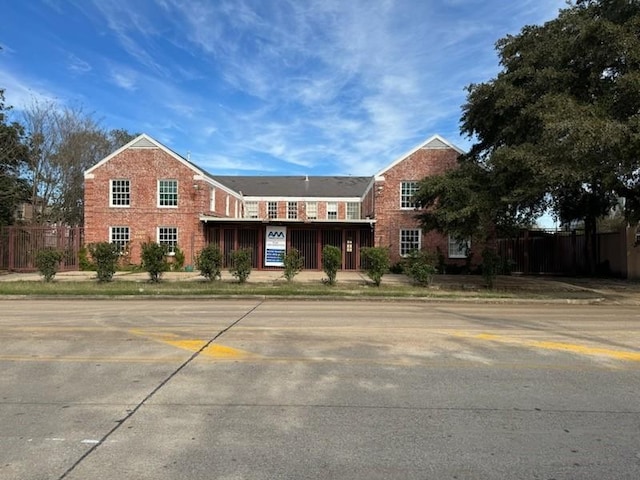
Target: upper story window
x=168, y=236
x=212, y=200
x=409, y=241
x=120, y=236
x=353, y=210
x=312, y=210
x=272, y=209
x=407, y=191
x=292, y=210
x=459, y=248
x=167, y=193
x=251, y=210
x=120, y=193
x=332, y=210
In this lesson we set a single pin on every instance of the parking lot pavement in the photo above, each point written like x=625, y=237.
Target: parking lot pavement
x=253, y=389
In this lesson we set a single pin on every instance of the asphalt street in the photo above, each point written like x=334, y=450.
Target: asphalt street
x=254, y=389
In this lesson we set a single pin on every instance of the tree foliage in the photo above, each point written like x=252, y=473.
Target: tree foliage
x=376, y=262
x=210, y=261
x=13, y=153
x=557, y=128
x=331, y=262
x=154, y=260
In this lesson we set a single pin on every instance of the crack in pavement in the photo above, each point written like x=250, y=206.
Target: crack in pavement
x=133, y=411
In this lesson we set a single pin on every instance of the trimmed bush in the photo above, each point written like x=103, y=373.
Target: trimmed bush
x=106, y=256
x=48, y=262
x=209, y=262
x=376, y=262
x=178, y=260
x=154, y=260
x=331, y=262
x=240, y=264
x=420, y=267
x=293, y=263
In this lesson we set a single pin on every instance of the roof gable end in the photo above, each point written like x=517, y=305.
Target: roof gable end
x=434, y=142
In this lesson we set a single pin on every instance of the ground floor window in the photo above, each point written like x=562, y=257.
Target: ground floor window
x=120, y=236
x=168, y=236
x=459, y=248
x=409, y=241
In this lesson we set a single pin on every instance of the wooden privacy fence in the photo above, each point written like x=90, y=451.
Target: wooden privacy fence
x=19, y=246
x=563, y=253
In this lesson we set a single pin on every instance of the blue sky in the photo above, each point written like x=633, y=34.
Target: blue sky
x=273, y=87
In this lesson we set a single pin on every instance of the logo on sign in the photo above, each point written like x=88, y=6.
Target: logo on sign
x=275, y=235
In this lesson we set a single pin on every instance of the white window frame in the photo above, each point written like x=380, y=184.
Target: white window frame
x=113, y=195
x=353, y=210
x=171, y=243
x=408, y=189
x=160, y=193
x=272, y=210
x=311, y=210
x=226, y=208
x=116, y=235
x=332, y=210
x=251, y=209
x=407, y=246
x=458, y=248
x=212, y=200
x=292, y=210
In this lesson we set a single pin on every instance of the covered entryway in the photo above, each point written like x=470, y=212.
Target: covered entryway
x=308, y=239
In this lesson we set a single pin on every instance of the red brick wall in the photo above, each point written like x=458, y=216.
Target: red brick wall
x=143, y=167
x=390, y=218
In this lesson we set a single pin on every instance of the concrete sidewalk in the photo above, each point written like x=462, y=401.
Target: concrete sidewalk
x=257, y=276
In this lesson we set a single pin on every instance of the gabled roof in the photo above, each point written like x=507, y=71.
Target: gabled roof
x=296, y=186
x=436, y=142
x=145, y=141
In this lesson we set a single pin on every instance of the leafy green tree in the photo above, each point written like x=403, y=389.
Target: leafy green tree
x=154, y=260
x=241, y=264
x=209, y=262
x=331, y=262
x=557, y=128
x=376, y=262
x=13, y=153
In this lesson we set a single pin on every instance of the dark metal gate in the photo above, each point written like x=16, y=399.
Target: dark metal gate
x=19, y=246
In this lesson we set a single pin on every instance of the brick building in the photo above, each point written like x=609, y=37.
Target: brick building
x=146, y=192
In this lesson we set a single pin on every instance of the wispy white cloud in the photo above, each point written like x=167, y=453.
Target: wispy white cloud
x=77, y=65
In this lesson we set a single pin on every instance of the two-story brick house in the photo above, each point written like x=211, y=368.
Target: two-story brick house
x=146, y=192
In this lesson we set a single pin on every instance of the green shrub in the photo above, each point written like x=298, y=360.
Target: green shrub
x=154, y=260
x=209, y=262
x=240, y=264
x=397, y=268
x=84, y=262
x=293, y=263
x=331, y=262
x=420, y=267
x=491, y=265
x=48, y=262
x=106, y=256
x=376, y=261
x=178, y=260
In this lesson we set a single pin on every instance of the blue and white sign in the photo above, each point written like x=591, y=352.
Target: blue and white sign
x=275, y=246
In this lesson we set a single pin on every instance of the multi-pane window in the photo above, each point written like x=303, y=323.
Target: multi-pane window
x=251, y=210
x=168, y=236
x=292, y=210
x=353, y=210
x=332, y=210
x=272, y=209
x=168, y=193
x=120, y=193
x=312, y=210
x=458, y=248
x=120, y=236
x=407, y=191
x=409, y=241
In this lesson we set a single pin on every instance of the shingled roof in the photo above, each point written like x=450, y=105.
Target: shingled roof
x=296, y=186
